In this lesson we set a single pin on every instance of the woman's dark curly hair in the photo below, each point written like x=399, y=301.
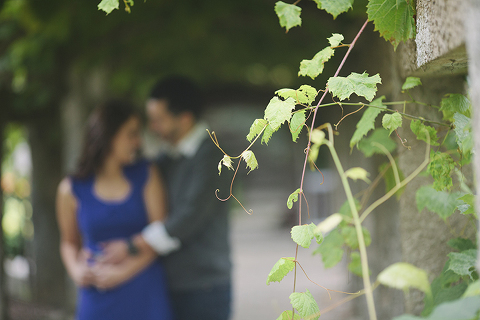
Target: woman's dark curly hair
x=102, y=125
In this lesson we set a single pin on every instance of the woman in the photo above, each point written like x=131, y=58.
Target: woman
x=111, y=196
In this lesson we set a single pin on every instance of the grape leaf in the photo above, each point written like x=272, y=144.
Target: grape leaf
x=288, y=14
x=256, y=128
x=453, y=103
x=293, y=198
x=439, y=202
x=330, y=223
x=357, y=173
x=334, y=7
x=380, y=136
x=349, y=234
x=318, y=136
x=463, y=263
x=468, y=206
x=421, y=131
x=389, y=178
x=335, y=39
x=473, y=289
x=461, y=309
x=394, y=19
x=404, y=276
x=108, y=5
x=267, y=134
x=278, y=111
x=392, y=121
x=287, y=315
x=296, y=124
x=304, y=95
x=345, y=209
x=280, y=269
x=355, y=265
x=461, y=244
x=227, y=162
x=367, y=122
x=360, y=84
x=463, y=133
x=331, y=249
x=305, y=304
x=250, y=159
x=440, y=168
x=411, y=82
x=312, y=68
x=303, y=235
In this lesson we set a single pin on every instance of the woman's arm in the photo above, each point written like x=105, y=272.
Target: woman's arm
x=74, y=259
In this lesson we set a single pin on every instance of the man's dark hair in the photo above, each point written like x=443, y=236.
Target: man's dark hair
x=181, y=94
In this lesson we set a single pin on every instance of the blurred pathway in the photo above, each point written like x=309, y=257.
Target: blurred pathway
x=258, y=242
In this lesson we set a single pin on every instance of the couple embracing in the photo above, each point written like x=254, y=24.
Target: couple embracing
x=147, y=240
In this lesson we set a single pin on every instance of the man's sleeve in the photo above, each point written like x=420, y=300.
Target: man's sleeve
x=199, y=206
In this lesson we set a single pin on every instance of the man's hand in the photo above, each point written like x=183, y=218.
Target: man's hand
x=114, y=251
x=108, y=276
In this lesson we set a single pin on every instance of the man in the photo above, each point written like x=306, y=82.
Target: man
x=199, y=273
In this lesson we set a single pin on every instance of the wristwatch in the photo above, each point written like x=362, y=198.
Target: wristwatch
x=132, y=249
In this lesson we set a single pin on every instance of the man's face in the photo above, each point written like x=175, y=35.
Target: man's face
x=162, y=121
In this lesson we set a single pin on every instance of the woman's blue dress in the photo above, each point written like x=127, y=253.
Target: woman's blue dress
x=142, y=297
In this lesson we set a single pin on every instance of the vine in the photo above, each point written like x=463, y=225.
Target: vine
x=458, y=287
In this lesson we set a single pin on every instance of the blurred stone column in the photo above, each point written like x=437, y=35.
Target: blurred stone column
x=472, y=26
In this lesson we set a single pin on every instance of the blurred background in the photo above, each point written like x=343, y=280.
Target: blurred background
x=59, y=59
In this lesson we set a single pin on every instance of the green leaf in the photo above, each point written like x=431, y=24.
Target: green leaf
x=440, y=168
x=404, y=276
x=367, y=122
x=304, y=95
x=461, y=244
x=462, y=309
x=293, y=198
x=463, y=133
x=280, y=270
x=318, y=136
x=411, y=82
x=296, y=124
x=313, y=153
x=463, y=263
x=357, y=173
x=108, y=5
x=468, y=206
x=330, y=223
x=303, y=235
x=389, y=178
x=334, y=7
x=331, y=249
x=305, y=304
x=360, y=84
x=312, y=68
x=473, y=289
x=439, y=202
x=287, y=315
x=453, y=103
x=421, y=131
x=355, y=265
x=349, y=234
x=278, y=111
x=335, y=39
x=250, y=159
x=345, y=209
x=288, y=14
x=227, y=162
x=256, y=128
x=267, y=134
x=392, y=121
x=393, y=19
x=381, y=136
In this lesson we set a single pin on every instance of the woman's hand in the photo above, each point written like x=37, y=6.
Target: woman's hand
x=108, y=276
x=82, y=274
x=114, y=251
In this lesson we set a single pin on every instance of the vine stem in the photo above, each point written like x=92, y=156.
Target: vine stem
x=358, y=227
x=363, y=253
